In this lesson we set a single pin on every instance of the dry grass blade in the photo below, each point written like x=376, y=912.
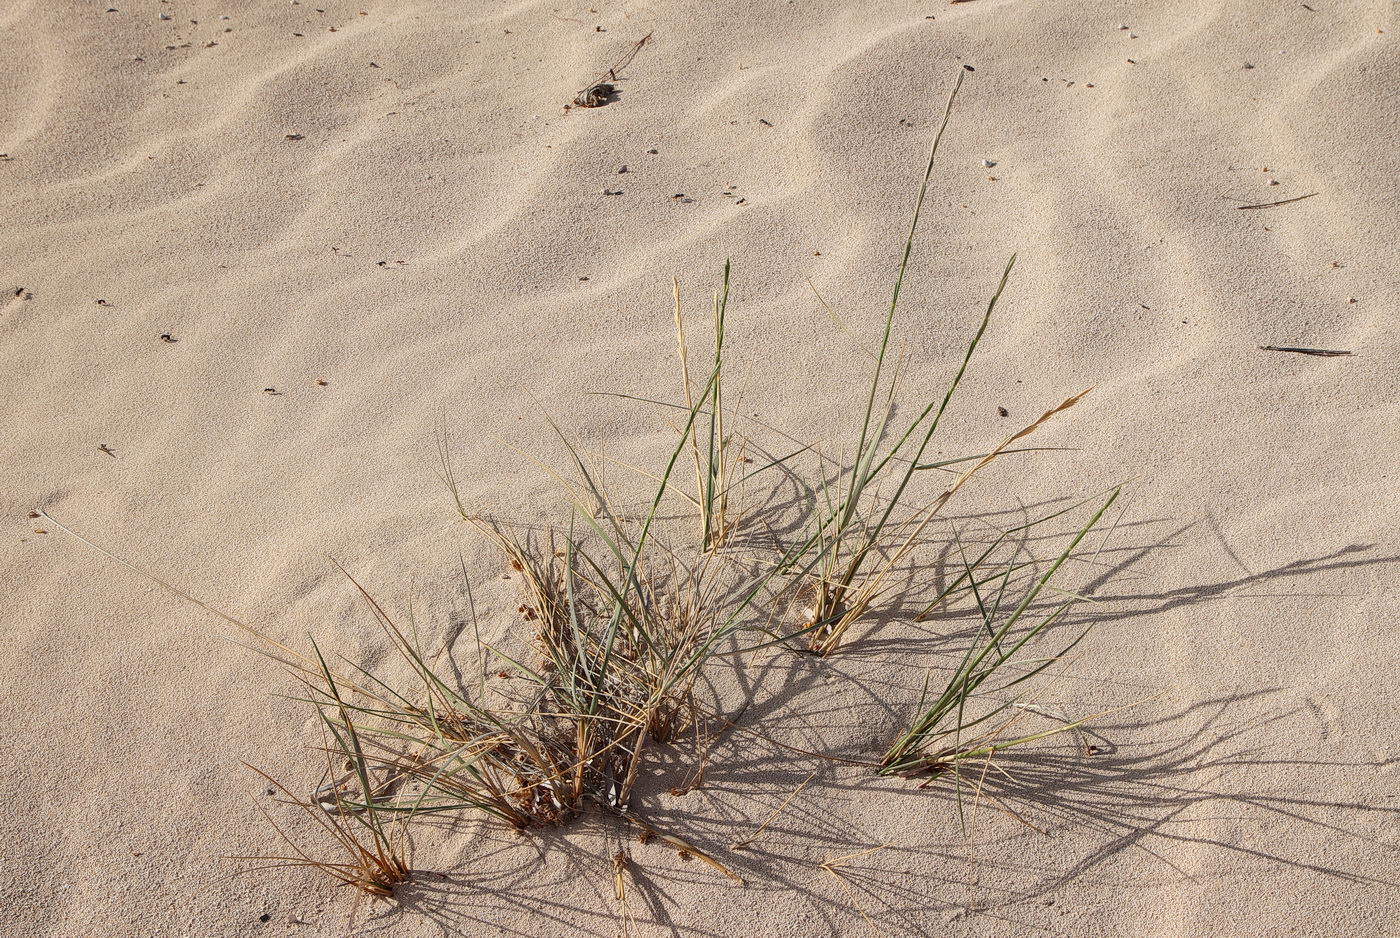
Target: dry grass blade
x=682, y=846
x=741, y=844
x=830, y=866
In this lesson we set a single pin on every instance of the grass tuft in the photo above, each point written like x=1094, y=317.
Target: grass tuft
x=622, y=627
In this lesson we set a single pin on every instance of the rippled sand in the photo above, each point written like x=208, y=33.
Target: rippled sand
x=381, y=211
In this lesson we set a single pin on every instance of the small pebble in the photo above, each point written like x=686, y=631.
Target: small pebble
x=621, y=170
x=653, y=152
x=989, y=163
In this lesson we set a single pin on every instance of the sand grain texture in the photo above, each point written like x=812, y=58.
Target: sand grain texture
x=435, y=245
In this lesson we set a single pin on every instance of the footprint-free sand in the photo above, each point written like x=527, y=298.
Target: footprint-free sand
x=260, y=257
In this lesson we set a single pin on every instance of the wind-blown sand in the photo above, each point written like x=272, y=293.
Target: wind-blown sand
x=436, y=247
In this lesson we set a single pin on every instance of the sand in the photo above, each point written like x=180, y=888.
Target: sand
x=382, y=211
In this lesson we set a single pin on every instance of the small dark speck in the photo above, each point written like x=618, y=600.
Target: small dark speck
x=273, y=391
x=295, y=137
x=103, y=303
x=322, y=382
x=581, y=279
x=264, y=917
x=374, y=65
x=167, y=337
x=1248, y=65
x=969, y=68
x=653, y=152
x=765, y=123
x=1003, y=412
x=621, y=170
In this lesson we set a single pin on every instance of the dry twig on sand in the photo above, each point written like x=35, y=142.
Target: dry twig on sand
x=1281, y=202
x=600, y=91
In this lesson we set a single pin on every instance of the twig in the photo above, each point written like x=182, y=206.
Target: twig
x=1272, y=204
x=597, y=92
x=1327, y=352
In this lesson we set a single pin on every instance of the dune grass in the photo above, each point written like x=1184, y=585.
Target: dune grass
x=371, y=853
x=955, y=726
x=623, y=619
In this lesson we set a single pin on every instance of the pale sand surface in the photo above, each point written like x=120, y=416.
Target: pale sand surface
x=1254, y=570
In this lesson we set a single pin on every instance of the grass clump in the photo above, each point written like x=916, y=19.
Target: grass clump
x=947, y=729
x=623, y=625
x=370, y=845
